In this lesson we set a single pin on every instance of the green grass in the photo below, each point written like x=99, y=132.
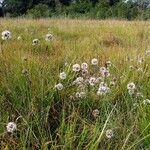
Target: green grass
x=50, y=119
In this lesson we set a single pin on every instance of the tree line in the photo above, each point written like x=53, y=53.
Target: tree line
x=97, y=9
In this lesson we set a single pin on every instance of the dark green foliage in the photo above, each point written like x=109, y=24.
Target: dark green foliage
x=40, y=10
x=98, y=9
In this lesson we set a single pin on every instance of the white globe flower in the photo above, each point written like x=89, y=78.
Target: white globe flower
x=76, y=67
x=131, y=86
x=63, y=75
x=59, y=86
x=6, y=35
x=95, y=113
x=105, y=73
x=109, y=133
x=84, y=66
x=103, y=90
x=147, y=53
x=11, y=127
x=102, y=69
x=92, y=81
x=48, y=37
x=94, y=61
x=35, y=42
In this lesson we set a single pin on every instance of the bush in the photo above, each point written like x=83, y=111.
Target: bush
x=39, y=11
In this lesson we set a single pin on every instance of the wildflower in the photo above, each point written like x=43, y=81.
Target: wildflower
x=146, y=101
x=95, y=113
x=105, y=73
x=84, y=72
x=147, y=53
x=92, y=81
x=6, y=35
x=76, y=67
x=131, y=67
x=109, y=133
x=94, y=61
x=131, y=86
x=84, y=66
x=25, y=71
x=80, y=94
x=48, y=37
x=102, y=84
x=99, y=79
x=59, y=86
x=19, y=38
x=108, y=63
x=103, y=90
x=141, y=60
x=35, y=42
x=112, y=83
x=78, y=80
x=102, y=69
x=24, y=58
x=140, y=69
x=11, y=127
x=62, y=75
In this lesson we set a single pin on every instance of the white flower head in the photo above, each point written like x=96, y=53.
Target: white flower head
x=80, y=94
x=103, y=90
x=109, y=133
x=76, y=67
x=63, y=75
x=147, y=53
x=84, y=72
x=11, y=127
x=92, y=81
x=6, y=35
x=94, y=61
x=59, y=86
x=48, y=37
x=25, y=72
x=131, y=86
x=105, y=73
x=102, y=69
x=146, y=101
x=35, y=42
x=84, y=66
x=78, y=80
x=95, y=113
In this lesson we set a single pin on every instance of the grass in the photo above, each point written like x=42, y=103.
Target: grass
x=50, y=119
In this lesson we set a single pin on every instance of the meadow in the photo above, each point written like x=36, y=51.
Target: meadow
x=74, y=84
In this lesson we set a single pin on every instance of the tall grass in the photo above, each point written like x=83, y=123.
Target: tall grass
x=50, y=119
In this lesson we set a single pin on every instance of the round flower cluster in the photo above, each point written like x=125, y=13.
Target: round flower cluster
x=109, y=133
x=35, y=42
x=6, y=35
x=103, y=89
x=131, y=88
x=48, y=37
x=95, y=113
x=63, y=75
x=11, y=127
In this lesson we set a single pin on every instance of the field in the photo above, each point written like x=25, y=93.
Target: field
x=86, y=87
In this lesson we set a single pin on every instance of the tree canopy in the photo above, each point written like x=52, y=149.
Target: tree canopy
x=129, y=9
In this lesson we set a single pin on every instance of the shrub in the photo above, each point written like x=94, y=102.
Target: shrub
x=40, y=10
